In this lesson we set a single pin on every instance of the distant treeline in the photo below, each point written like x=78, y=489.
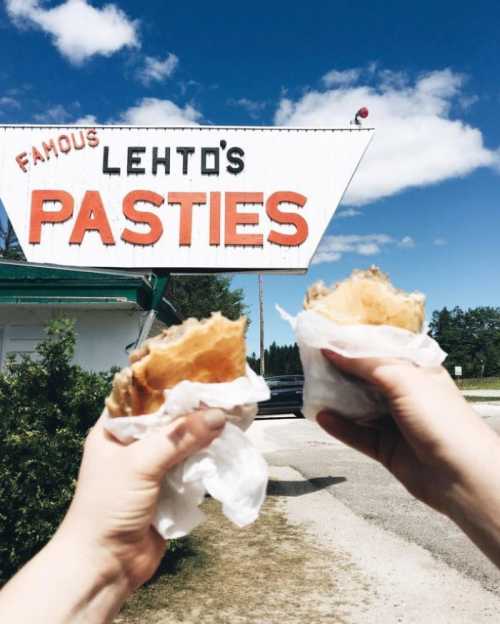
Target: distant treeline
x=279, y=360
x=471, y=338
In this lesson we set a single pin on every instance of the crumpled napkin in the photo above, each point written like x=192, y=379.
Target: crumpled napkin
x=231, y=469
x=325, y=387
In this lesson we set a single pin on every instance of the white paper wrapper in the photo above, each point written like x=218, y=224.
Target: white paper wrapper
x=325, y=387
x=231, y=469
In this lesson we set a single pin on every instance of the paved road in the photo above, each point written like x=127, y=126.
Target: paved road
x=491, y=394
x=370, y=492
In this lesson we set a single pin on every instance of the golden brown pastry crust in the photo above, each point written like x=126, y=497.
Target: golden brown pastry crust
x=208, y=351
x=367, y=297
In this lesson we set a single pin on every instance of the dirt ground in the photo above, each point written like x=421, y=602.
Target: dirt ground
x=308, y=558
x=268, y=573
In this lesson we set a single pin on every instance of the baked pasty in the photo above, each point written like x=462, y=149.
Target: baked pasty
x=209, y=351
x=369, y=298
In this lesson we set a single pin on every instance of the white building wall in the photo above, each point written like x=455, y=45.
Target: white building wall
x=101, y=335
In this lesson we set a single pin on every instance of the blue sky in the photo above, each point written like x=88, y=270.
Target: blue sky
x=425, y=205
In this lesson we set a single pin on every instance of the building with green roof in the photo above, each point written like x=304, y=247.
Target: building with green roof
x=110, y=309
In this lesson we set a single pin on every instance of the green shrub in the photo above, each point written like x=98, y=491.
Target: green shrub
x=47, y=405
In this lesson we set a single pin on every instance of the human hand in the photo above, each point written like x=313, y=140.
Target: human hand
x=105, y=546
x=117, y=492
x=439, y=449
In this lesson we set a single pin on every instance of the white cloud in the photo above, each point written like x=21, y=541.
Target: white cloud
x=390, y=78
x=53, y=114
x=9, y=102
x=156, y=112
x=156, y=69
x=333, y=247
x=347, y=213
x=416, y=143
x=78, y=29
x=406, y=242
x=344, y=77
x=253, y=107
x=467, y=101
x=440, y=242
x=87, y=120
x=150, y=112
x=185, y=85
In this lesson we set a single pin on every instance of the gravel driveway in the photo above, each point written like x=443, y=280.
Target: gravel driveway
x=419, y=566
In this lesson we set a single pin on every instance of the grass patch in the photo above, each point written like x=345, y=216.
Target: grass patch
x=470, y=399
x=266, y=573
x=181, y=562
x=483, y=383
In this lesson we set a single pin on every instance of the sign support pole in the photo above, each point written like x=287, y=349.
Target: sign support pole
x=158, y=291
x=261, y=323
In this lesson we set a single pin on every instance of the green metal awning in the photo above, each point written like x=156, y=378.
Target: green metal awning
x=28, y=283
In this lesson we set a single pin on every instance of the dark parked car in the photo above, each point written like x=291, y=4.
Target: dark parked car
x=286, y=395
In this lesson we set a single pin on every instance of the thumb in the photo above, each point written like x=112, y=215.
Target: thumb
x=156, y=453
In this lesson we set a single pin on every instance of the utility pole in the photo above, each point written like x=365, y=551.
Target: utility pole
x=261, y=322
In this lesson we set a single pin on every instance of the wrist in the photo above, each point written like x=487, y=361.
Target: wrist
x=93, y=576
x=91, y=555
x=67, y=583
x=462, y=453
x=472, y=501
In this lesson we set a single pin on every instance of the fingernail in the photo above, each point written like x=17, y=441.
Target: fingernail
x=324, y=417
x=214, y=419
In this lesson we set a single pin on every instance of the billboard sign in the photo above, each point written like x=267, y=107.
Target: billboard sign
x=190, y=198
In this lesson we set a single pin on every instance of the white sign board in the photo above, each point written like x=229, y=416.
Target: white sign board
x=197, y=198
x=458, y=371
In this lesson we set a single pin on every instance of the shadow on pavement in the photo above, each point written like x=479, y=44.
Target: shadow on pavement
x=299, y=488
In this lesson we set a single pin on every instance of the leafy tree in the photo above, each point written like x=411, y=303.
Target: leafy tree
x=200, y=295
x=471, y=338
x=47, y=404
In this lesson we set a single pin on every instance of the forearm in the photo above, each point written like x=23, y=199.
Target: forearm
x=474, y=500
x=64, y=583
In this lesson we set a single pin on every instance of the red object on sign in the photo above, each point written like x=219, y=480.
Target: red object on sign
x=363, y=113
